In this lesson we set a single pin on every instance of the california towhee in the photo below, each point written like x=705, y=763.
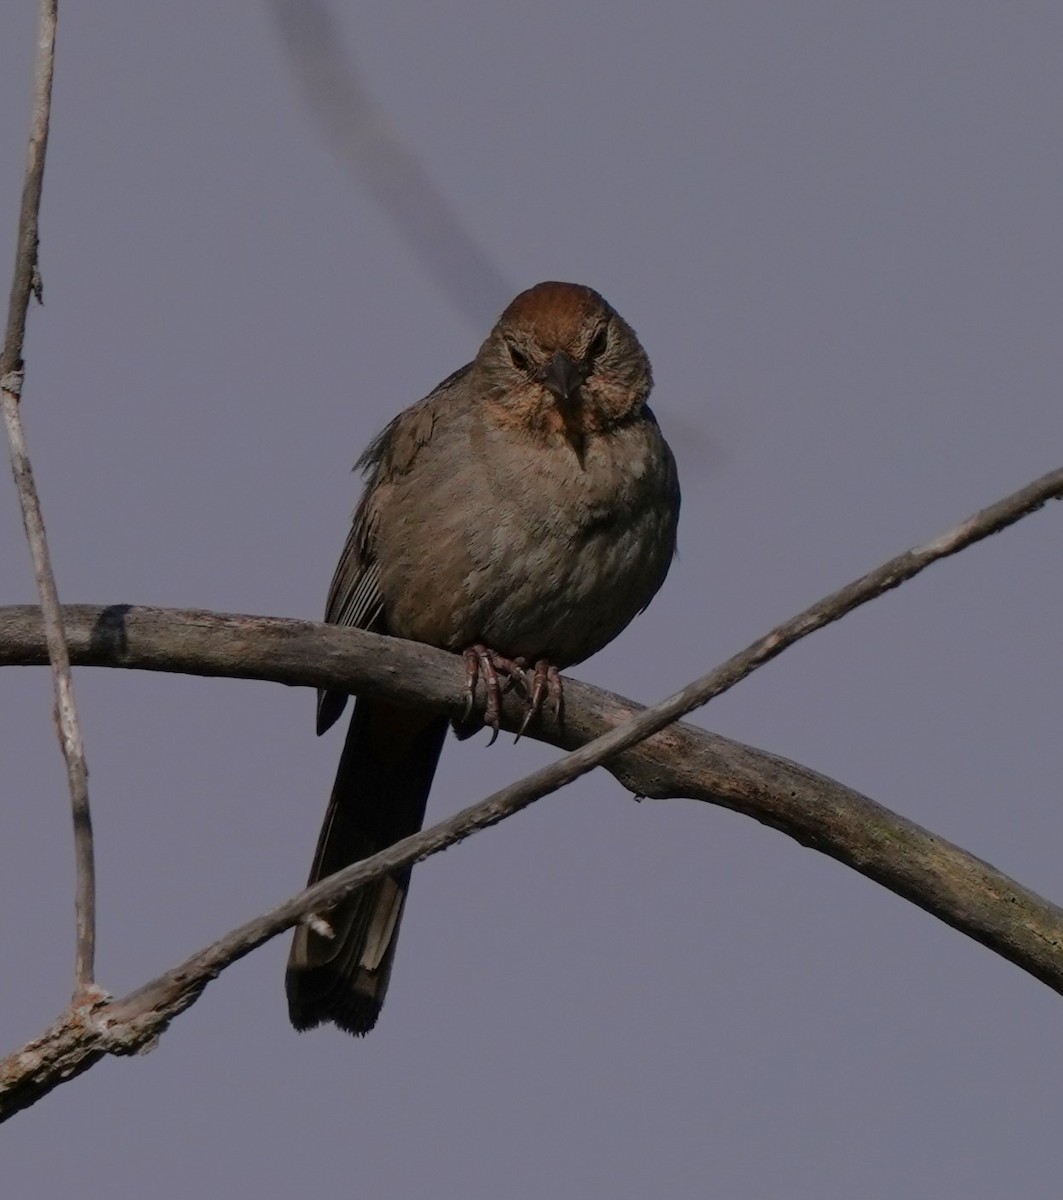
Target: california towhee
x=522, y=513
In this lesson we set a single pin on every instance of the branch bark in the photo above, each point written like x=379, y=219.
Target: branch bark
x=26, y=280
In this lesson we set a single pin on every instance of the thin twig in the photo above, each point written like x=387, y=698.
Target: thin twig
x=26, y=280
x=956, y=886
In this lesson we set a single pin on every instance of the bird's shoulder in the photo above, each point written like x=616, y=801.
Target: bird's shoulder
x=394, y=451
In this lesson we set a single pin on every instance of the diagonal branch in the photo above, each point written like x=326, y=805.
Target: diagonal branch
x=26, y=280
x=958, y=888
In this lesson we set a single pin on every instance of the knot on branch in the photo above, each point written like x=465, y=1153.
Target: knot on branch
x=11, y=382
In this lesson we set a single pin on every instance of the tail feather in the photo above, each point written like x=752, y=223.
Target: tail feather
x=379, y=797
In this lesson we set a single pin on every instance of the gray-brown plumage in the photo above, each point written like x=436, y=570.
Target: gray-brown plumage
x=529, y=505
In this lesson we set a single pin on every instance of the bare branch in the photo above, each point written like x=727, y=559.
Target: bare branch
x=955, y=886
x=26, y=280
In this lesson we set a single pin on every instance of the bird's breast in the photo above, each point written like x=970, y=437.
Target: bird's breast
x=533, y=550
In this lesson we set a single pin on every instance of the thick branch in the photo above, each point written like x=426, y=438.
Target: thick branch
x=26, y=280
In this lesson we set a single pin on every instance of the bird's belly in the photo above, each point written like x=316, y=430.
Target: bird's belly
x=564, y=599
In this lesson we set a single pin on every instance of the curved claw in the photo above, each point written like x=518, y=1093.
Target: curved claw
x=546, y=681
x=558, y=689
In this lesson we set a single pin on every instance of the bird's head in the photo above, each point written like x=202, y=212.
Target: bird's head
x=562, y=361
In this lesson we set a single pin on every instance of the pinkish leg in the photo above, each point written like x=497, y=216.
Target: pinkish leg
x=488, y=665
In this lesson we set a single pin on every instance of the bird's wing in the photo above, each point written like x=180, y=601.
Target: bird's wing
x=355, y=598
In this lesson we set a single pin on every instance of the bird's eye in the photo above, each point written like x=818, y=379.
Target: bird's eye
x=520, y=360
x=599, y=342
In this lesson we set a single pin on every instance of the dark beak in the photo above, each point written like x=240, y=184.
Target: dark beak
x=562, y=375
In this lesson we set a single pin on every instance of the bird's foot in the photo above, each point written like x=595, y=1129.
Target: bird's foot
x=499, y=675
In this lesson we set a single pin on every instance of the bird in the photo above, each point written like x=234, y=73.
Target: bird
x=521, y=514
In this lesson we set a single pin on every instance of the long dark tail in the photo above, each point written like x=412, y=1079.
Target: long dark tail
x=379, y=796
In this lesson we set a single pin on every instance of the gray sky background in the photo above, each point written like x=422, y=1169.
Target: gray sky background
x=836, y=228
